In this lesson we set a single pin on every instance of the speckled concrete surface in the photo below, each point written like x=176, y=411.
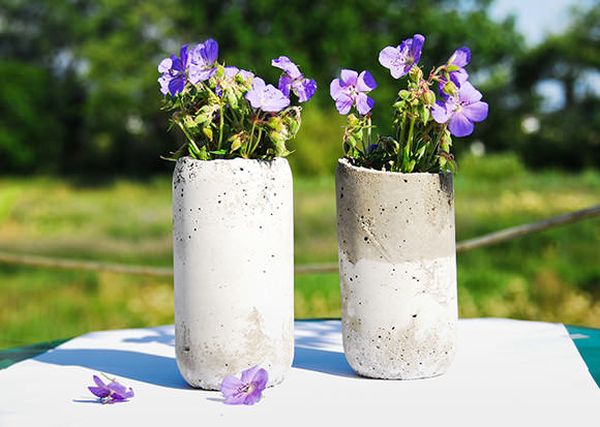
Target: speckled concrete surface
x=397, y=271
x=233, y=268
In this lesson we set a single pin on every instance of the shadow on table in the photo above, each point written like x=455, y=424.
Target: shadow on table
x=314, y=341
x=148, y=368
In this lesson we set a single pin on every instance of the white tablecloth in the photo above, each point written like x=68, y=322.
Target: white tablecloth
x=506, y=372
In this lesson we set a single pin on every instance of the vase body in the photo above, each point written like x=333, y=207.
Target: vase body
x=397, y=257
x=233, y=268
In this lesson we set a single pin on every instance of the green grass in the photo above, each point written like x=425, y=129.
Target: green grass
x=553, y=275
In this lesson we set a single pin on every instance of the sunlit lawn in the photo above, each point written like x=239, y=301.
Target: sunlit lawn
x=554, y=275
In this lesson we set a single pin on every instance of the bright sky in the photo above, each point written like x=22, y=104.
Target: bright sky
x=537, y=18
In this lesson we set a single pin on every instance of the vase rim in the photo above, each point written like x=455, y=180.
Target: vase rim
x=235, y=159
x=343, y=161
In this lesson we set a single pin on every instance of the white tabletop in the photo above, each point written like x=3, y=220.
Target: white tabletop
x=506, y=372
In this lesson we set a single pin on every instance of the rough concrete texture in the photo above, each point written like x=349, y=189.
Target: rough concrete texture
x=397, y=271
x=233, y=268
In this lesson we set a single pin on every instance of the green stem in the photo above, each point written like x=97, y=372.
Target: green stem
x=398, y=165
x=221, y=123
x=251, y=141
x=408, y=145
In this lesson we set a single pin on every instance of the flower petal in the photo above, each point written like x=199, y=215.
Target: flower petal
x=230, y=385
x=439, y=112
x=304, y=89
x=460, y=125
x=176, y=85
x=261, y=377
x=348, y=78
x=476, y=112
x=459, y=76
x=99, y=391
x=364, y=103
x=388, y=56
x=273, y=100
x=284, y=63
x=285, y=84
x=252, y=397
x=209, y=51
x=461, y=57
x=336, y=89
x=98, y=381
x=468, y=94
x=365, y=82
x=248, y=374
x=416, y=47
x=343, y=103
x=165, y=65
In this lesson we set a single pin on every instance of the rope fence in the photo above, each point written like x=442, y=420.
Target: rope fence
x=138, y=270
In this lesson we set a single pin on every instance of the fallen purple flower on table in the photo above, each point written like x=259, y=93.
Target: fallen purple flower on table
x=266, y=97
x=172, y=69
x=293, y=80
x=111, y=392
x=462, y=110
x=350, y=89
x=203, y=58
x=399, y=60
x=248, y=389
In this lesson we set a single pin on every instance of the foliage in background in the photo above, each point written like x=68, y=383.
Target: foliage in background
x=97, y=58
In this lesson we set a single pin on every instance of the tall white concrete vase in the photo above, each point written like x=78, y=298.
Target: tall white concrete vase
x=233, y=268
x=397, y=262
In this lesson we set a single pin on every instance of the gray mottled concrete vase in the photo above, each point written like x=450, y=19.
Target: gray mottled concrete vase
x=233, y=268
x=397, y=271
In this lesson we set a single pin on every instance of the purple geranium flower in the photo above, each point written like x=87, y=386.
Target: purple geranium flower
x=351, y=89
x=292, y=79
x=111, y=392
x=266, y=97
x=202, y=61
x=460, y=58
x=246, y=391
x=462, y=110
x=172, y=69
x=399, y=60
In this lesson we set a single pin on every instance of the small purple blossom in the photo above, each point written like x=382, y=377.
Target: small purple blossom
x=351, y=89
x=266, y=97
x=111, y=392
x=172, y=69
x=248, y=389
x=399, y=60
x=460, y=58
x=202, y=61
x=293, y=80
x=462, y=110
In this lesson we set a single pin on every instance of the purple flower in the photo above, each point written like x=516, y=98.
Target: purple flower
x=246, y=391
x=462, y=110
x=350, y=89
x=202, y=61
x=293, y=80
x=111, y=392
x=172, y=69
x=460, y=58
x=399, y=60
x=266, y=97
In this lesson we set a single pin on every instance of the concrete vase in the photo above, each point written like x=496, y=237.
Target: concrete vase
x=233, y=268
x=397, y=261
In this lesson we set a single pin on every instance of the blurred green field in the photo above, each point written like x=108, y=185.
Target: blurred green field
x=553, y=275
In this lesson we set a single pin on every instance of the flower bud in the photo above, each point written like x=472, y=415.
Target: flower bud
x=450, y=88
x=415, y=73
x=429, y=97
